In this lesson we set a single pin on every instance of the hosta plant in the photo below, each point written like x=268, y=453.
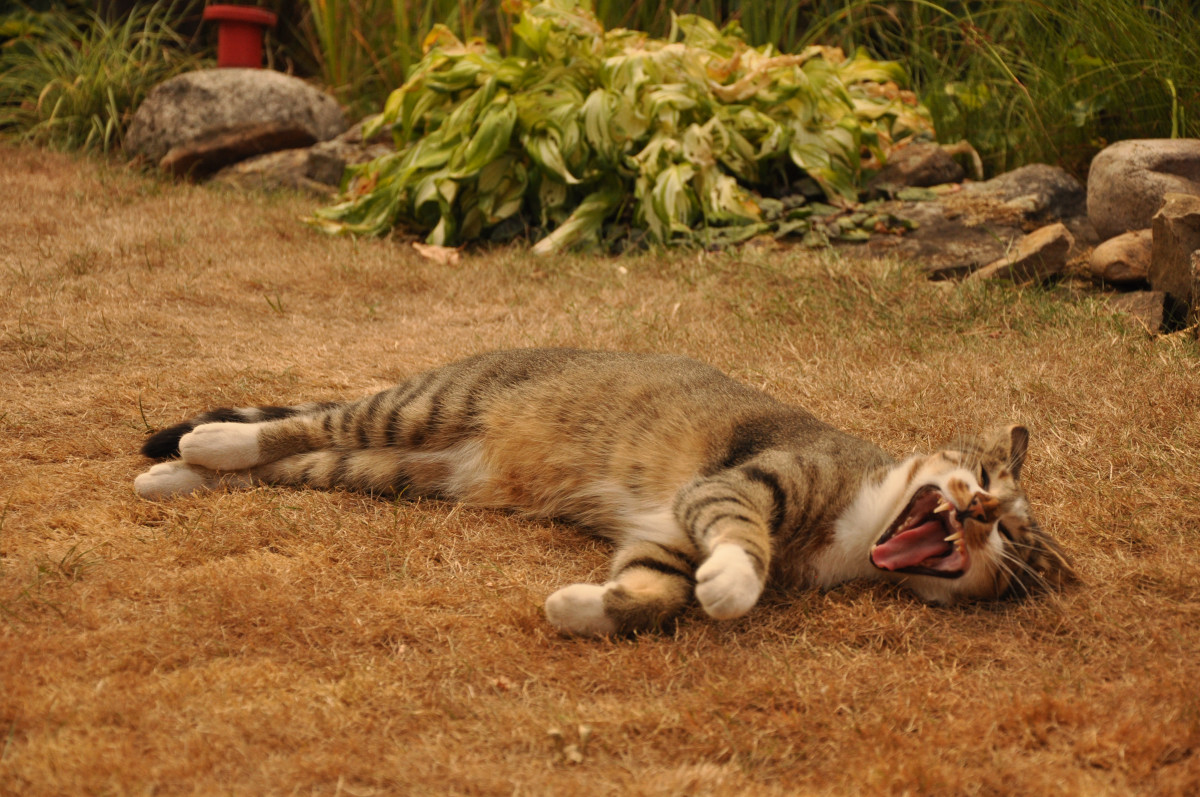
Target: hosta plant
x=583, y=127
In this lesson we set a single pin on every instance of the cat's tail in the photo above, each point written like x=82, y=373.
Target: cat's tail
x=164, y=444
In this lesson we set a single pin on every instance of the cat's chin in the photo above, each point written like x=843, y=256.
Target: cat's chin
x=927, y=538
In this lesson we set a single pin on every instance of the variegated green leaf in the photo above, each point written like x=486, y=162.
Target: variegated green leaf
x=586, y=125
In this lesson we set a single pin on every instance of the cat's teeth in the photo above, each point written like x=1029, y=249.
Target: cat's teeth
x=944, y=506
x=956, y=537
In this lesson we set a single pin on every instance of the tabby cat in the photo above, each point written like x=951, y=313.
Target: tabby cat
x=706, y=487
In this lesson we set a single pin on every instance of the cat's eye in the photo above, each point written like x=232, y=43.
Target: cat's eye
x=984, y=480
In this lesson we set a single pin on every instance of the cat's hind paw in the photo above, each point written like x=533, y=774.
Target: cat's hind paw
x=168, y=479
x=727, y=584
x=222, y=446
x=579, y=609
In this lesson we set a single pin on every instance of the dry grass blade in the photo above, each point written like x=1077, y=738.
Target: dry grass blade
x=278, y=642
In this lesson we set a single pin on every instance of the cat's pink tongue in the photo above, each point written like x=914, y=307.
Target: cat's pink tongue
x=912, y=547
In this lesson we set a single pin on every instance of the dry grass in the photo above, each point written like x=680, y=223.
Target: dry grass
x=277, y=642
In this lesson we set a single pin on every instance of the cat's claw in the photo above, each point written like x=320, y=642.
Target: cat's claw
x=222, y=446
x=727, y=585
x=579, y=609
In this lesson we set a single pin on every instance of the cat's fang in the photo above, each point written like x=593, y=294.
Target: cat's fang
x=944, y=506
x=955, y=537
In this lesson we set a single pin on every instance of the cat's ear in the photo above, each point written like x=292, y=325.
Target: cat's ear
x=1017, y=438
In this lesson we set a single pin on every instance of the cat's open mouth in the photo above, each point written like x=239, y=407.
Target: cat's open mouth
x=927, y=539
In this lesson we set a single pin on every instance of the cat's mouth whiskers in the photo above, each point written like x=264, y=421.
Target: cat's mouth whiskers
x=930, y=536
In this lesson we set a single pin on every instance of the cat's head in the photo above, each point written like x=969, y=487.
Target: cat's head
x=966, y=530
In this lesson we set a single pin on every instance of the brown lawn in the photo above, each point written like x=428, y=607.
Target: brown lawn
x=284, y=642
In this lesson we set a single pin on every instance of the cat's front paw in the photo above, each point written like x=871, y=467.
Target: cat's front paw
x=167, y=479
x=727, y=584
x=579, y=609
x=221, y=446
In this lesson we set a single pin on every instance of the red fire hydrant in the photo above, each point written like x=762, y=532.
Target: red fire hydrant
x=240, y=32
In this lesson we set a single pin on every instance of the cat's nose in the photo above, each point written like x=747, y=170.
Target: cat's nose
x=984, y=507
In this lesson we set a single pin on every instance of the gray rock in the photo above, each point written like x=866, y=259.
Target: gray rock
x=328, y=159
x=1038, y=192
x=1123, y=260
x=287, y=169
x=1148, y=307
x=917, y=165
x=211, y=102
x=1176, y=237
x=1037, y=257
x=1128, y=180
x=955, y=235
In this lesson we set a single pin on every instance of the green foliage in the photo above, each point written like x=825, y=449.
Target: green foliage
x=1037, y=80
x=364, y=48
x=589, y=125
x=1022, y=80
x=74, y=79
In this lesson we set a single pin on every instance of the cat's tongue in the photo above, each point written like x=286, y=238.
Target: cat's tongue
x=911, y=547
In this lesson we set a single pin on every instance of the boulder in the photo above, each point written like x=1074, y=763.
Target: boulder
x=1148, y=307
x=1039, y=192
x=916, y=165
x=207, y=103
x=1123, y=260
x=1176, y=238
x=1037, y=257
x=1128, y=180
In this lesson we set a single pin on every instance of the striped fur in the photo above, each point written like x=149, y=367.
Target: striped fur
x=707, y=487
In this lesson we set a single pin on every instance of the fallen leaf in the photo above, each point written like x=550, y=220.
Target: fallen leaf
x=443, y=255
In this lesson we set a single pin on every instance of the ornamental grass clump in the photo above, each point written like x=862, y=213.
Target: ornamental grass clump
x=73, y=79
x=584, y=129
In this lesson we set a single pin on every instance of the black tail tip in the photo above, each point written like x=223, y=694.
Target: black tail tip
x=164, y=444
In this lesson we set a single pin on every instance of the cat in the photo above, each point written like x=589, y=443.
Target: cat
x=707, y=487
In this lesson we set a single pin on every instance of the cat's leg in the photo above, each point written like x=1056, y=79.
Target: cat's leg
x=650, y=585
x=175, y=478
x=371, y=470
x=730, y=517
x=422, y=414
x=222, y=446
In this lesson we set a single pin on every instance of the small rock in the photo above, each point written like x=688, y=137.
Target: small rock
x=1038, y=192
x=1038, y=256
x=328, y=159
x=212, y=151
x=209, y=102
x=1176, y=237
x=1128, y=180
x=1123, y=260
x=317, y=169
x=284, y=169
x=916, y=165
x=1146, y=306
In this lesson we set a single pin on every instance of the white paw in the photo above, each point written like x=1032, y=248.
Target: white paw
x=221, y=446
x=579, y=609
x=726, y=584
x=167, y=479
